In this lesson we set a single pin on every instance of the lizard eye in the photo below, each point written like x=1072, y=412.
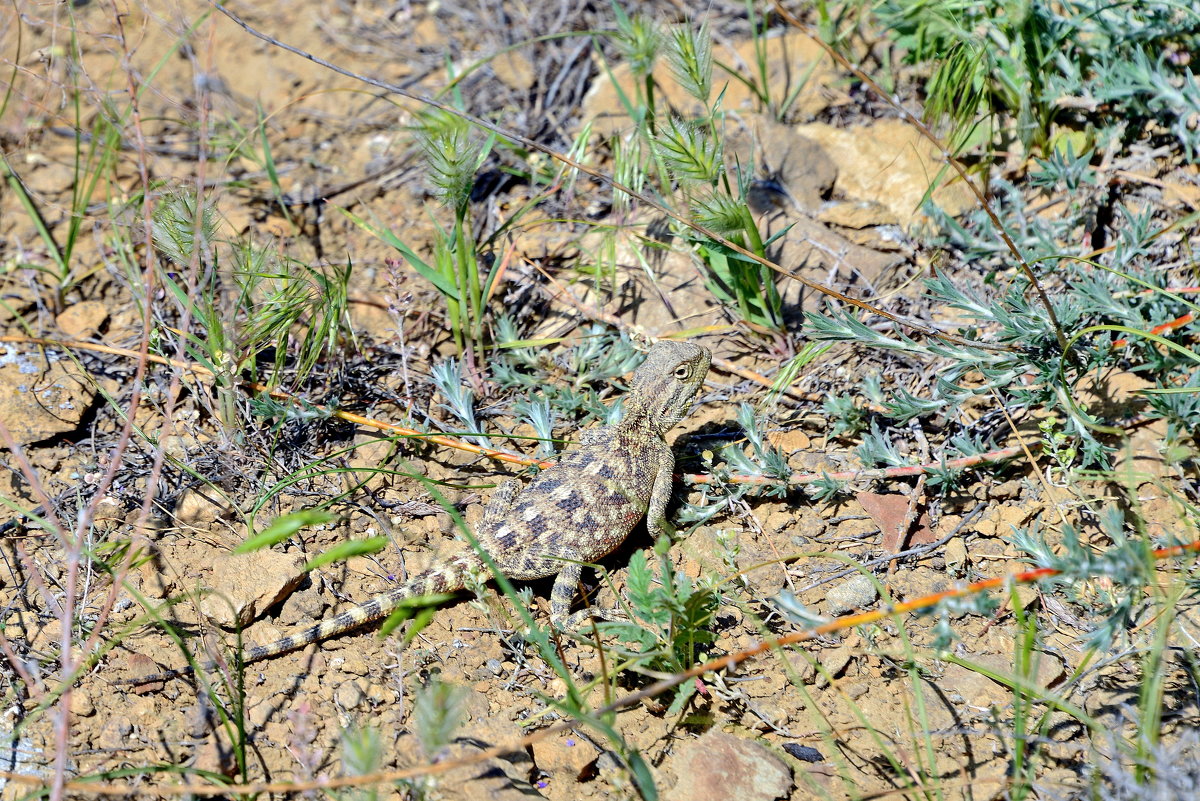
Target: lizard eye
x=682, y=372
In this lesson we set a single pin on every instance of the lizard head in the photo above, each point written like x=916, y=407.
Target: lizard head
x=663, y=387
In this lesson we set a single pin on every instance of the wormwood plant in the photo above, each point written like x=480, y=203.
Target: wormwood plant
x=1034, y=373
x=1102, y=68
x=601, y=356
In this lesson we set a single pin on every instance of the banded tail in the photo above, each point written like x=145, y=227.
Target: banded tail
x=441, y=578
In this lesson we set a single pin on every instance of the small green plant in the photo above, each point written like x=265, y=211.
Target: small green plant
x=669, y=620
x=1031, y=371
x=639, y=41
x=601, y=356
x=775, y=97
x=846, y=417
x=362, y=755
x=438, y=712
x=453, y=155
x=760, y=460
x=1099, y=69
x=685, y=161
x=94, y=164
x=460, y=399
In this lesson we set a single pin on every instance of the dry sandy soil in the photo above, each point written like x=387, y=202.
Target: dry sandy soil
x=817, y=720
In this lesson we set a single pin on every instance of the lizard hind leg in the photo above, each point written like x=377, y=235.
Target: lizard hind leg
x=565, y=586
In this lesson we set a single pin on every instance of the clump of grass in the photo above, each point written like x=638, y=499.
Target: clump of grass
x=453, y=154
x=257, y=315
x=683, y=161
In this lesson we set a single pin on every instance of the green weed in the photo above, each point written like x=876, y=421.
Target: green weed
x=1098, y=69
x=684, y=160
x=670, y=619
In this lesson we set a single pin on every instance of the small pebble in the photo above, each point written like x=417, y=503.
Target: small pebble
x=803, y=753
x=857, y=592
x=349, y=695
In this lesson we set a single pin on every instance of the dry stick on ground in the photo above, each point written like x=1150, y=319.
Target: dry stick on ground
x=615, y=184
x=659, y=687
x=724, y=365
x=504, y=456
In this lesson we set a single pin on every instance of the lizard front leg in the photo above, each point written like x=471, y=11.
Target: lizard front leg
x=660, y=494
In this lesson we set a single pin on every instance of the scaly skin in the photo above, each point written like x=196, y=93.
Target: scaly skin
x=576, y=511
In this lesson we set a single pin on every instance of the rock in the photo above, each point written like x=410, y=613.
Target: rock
x=83, y=319
x=999, y=521
x=789, y=440
x=177, y=446
x=804, y=753
x=719, y=766
x=565, y=757
x=351, y=661
x=243, y=586
x=858, y=214
x=1005, y=490
x=891, y=513
x=818, y=249
x=856, y=592
x=497, y=779
x=833, y=663
x=49, y=177
x=200, y=506
x=47, y=396
x=155, y=580
x=215, y=756
x=349, y=695
x=42, y=634
x=135, y=665
x=802, y=173
x=82, y=704
x=889, y=162
x=114, y=734
x=198, y=720
x=956, y=556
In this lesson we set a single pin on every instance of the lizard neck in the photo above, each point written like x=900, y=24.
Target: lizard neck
x=637, y=424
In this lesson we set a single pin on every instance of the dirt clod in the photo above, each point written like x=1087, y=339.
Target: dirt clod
x=47, y=396
x=856, y=592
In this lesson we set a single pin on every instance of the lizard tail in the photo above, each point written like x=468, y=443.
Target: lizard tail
x=445, y=577
x=442, y=578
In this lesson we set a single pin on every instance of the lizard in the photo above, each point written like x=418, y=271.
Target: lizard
x=576, y=511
